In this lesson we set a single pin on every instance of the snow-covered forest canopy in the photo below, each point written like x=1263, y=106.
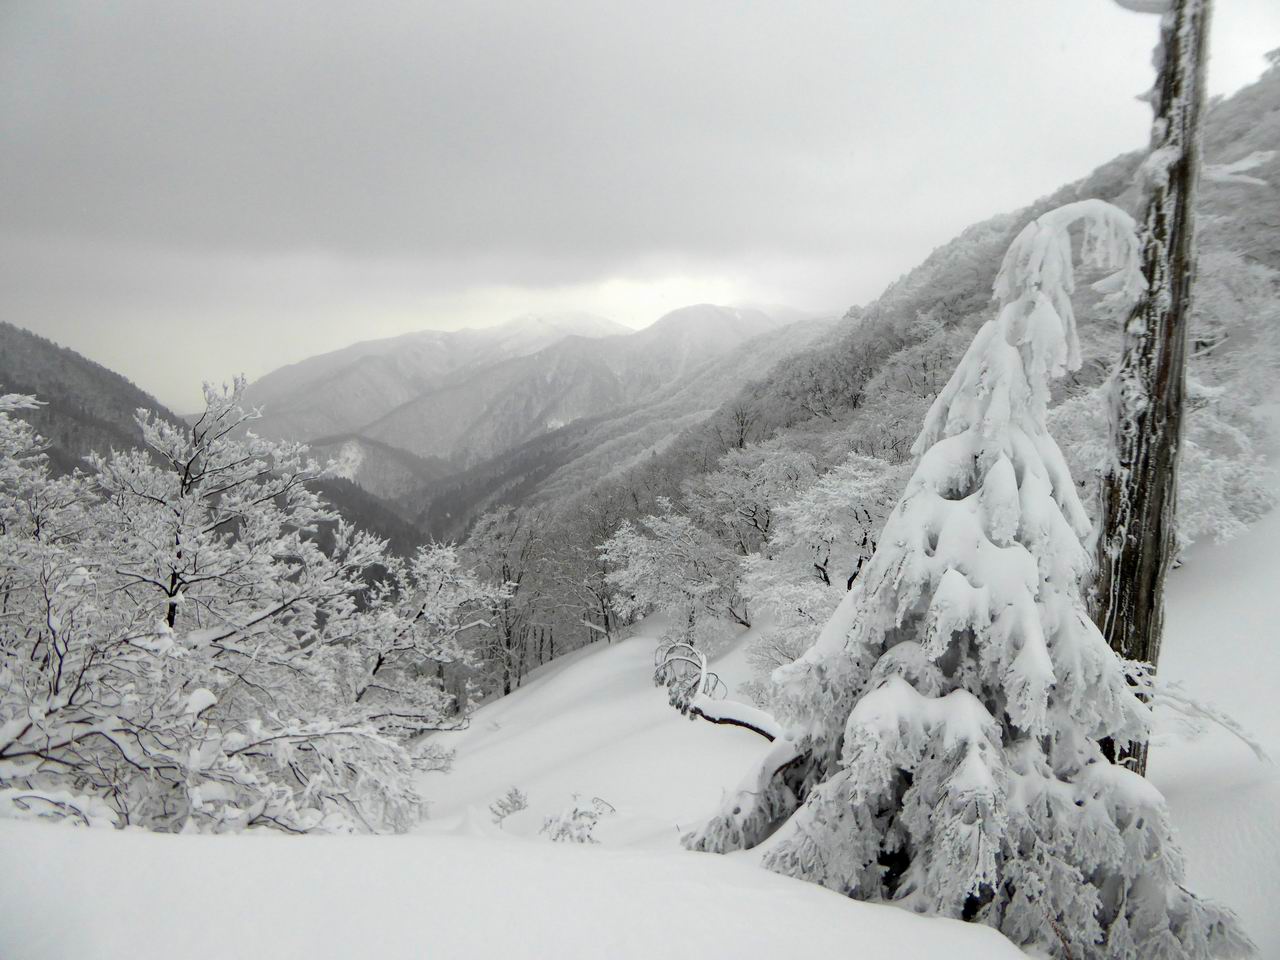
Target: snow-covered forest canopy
x=941, y=627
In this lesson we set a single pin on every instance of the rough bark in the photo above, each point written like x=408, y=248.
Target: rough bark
x=1139, y=494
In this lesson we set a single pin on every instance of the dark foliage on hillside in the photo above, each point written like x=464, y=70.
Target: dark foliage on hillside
x=367, y=512
x=508, y=478
x=86, y=407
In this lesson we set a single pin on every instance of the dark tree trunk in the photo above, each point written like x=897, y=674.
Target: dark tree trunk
x=1139, y=492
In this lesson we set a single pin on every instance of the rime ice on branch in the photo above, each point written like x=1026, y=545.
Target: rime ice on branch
x=179, y=650
x=950, y=714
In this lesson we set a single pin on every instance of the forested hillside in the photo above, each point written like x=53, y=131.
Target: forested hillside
x=339, y=392
x=85, y=406
x=406, y=413
x=584, y=452
x=750, y=505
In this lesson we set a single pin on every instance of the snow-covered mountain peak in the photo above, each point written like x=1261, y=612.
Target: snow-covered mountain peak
x=571, y=323
x=710, y=319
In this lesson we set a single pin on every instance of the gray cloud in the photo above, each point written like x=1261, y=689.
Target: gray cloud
x=318, y=170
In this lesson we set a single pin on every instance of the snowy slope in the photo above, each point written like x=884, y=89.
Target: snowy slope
x=596, y=726
x=103, y=895
x=1222, y=643
x=592, y=724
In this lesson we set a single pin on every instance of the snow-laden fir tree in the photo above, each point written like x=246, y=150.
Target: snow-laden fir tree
x=948, y=718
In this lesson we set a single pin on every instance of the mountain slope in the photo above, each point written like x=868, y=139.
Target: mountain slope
x=834, y=390
x=471, y=419
x=553, y=466
x=335, y=393
x=592, y=724
x=383, y=471
x=1219, y=645
x=86, y=407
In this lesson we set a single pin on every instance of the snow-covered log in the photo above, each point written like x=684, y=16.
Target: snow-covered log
x=698, y=692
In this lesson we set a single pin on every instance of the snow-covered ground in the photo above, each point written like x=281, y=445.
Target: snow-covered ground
x=1222, y=642
x=593, y=725
x=103, y=895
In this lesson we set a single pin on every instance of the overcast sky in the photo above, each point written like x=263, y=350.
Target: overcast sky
x=191, y=190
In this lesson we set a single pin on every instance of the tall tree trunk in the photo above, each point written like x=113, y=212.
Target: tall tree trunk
x=1139, y=492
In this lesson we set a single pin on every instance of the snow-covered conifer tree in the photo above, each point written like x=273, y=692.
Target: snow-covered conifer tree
x=948, y=718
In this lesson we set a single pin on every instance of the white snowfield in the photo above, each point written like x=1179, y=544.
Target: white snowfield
x=1222, y=644
x=593, y=725
x=102, y=895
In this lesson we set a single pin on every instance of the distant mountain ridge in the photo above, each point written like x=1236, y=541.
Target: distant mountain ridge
x=403, y=413
x=341, y=391
x=484, y=393
x=553, y=466
x=470, y=419
x=86, y=408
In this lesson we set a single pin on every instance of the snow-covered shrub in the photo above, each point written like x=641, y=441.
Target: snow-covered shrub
x=577, y=822
x=513, y=801
x=954, y=705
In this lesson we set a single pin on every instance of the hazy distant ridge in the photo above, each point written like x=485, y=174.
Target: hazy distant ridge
x=401, y=413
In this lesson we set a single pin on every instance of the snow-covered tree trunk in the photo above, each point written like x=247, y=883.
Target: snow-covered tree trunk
x=1139, y=491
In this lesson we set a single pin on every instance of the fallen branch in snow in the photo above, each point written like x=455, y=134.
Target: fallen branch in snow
x=770, y=793
x=735, y=714
x=682, y=669
x=696, y=691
